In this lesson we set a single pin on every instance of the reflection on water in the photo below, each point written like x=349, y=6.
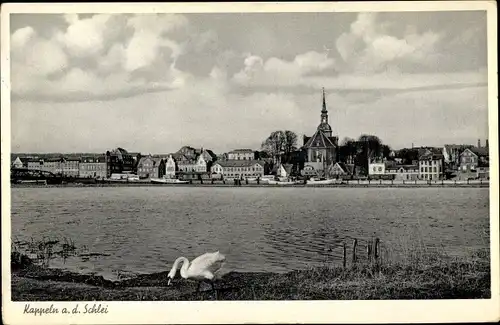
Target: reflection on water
x=259, y=229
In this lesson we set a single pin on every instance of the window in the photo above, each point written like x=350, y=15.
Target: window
x=434, y=169
x=380, y=169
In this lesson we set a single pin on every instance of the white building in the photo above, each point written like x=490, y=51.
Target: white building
x=241, y=154
x=431, y=166
x=376, y=168
x=238, y=168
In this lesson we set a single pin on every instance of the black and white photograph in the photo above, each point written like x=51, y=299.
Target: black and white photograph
x=289, y=154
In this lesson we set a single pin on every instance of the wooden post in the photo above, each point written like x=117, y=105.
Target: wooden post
x=354, y=245
x=369, y=250
x=377, y=250
x=345, y=256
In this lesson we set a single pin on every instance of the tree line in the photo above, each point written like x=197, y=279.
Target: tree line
x=282, y=147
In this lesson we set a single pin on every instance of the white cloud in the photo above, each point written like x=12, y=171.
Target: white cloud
x=368, y=47
x=84, y=37
x=21, y=37
x=93, y=50
x=277, y=72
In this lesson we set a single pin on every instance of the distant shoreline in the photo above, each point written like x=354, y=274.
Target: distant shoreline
x=354, y=185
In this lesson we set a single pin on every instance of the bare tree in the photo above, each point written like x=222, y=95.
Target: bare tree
x=274, y=144
x=290, y=144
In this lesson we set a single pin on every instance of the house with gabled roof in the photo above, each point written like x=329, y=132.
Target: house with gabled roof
x=151, y=167
x=474, y=163
x=321, y=148
x=284, y=170
x=403, y=172
x=451, y=154
x=340, y=169
x=18, y=163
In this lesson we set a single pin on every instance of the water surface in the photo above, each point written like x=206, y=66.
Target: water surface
x=144, y=229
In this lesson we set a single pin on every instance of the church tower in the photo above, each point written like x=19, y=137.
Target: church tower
x=324, y=126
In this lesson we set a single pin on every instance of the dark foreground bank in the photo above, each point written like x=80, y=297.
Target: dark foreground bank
x=432, y=278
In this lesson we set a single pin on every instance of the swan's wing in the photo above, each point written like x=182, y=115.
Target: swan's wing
x=208, y=262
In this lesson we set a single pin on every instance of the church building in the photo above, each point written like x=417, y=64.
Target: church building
x=321, y=148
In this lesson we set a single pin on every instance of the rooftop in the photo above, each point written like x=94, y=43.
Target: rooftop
x=239, y=163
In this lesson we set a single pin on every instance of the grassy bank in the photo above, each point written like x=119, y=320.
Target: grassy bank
x=432, y=277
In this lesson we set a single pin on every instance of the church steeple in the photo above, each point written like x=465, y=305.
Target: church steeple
x=324, y=126
x=324, y=103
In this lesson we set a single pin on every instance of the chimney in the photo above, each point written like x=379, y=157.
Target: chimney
x=479, y=143
x=487, y=144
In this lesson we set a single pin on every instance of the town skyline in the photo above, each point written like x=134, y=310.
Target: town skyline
x=155, y=83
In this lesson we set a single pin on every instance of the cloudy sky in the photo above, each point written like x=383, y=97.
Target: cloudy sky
x=153, y=83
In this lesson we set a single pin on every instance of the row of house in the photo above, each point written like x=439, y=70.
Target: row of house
x=81, y=165
x=462, y=161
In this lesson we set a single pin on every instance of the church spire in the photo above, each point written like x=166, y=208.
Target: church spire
x=324, y=103
x=324, y=126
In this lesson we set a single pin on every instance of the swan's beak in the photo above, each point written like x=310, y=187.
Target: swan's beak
x=169, y=281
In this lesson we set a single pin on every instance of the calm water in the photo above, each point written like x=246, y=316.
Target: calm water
x=259, y=229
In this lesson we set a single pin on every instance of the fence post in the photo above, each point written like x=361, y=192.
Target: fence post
x=354, y=245
x=344, y=262
x=377, y=250
x=369, y=250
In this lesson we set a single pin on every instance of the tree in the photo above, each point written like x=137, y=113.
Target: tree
x=261, y=154
x=348, y=150
x=371, y=144
x=274, y=144
x=369, y=147
x=407, y=155
x=290, y=142
x=280, y=144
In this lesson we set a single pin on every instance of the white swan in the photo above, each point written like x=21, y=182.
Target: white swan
x=202, y=268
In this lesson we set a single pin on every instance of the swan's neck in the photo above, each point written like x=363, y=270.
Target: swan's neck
x=184, y=268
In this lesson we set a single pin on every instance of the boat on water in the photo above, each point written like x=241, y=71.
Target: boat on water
x=273, y=182
x=168, y=181
x=322, y=181
x=123, y=178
